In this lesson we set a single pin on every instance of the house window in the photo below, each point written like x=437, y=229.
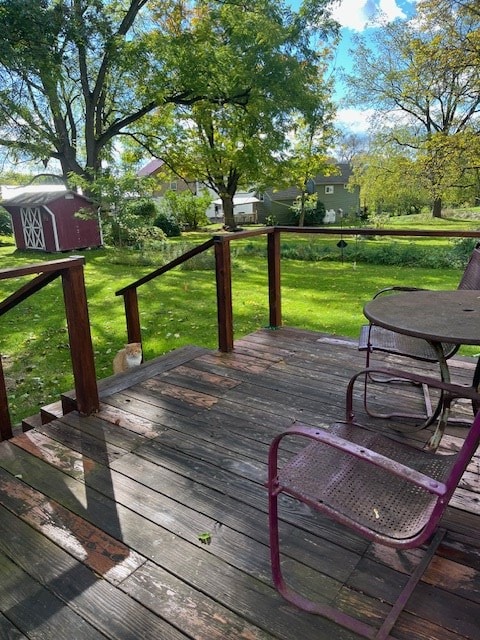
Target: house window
x=329, y=188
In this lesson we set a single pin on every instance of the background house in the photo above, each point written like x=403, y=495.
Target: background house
x=156, y=168
x=244, y=208
x=332, y=191
x=273, y=203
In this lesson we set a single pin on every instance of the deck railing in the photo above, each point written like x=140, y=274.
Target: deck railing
x=70, y=270
x=223, y=272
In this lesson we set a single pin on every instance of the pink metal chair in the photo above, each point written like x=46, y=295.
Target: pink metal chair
x=374, y=338
x=385, y=490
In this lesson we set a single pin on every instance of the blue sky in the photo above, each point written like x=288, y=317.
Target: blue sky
x=361, y=16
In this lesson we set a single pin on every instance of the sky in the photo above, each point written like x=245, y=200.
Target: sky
x=360, y=16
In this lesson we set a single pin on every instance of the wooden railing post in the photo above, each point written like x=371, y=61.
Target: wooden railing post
x=274, y=288
x=130, y=301
x=223, y=274
x=81, y=348
x=5, y=421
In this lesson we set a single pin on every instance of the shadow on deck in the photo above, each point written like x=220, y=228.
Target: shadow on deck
x=149, y=519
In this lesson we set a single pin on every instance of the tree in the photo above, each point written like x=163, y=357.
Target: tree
x=261, y=52
x=307, y=158
x=350, y=145
x=424, y=73
x=77, y=74
x=389, y=179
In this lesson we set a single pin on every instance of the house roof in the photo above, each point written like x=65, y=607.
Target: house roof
x=290, y=193
x=151, y=167
x=346, y=171
x=239, y=200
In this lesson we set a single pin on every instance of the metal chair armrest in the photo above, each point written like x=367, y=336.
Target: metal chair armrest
x=397, y=288
x=452, y=389
x=358, y=451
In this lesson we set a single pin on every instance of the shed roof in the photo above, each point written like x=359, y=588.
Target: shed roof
x=36, y=195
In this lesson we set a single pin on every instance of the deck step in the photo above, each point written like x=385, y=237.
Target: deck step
x=51, y=412
x=121, y=381
x=31, y=423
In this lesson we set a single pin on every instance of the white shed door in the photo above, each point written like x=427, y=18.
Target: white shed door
x=32, y=228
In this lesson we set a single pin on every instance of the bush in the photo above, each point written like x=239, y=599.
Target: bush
x=314, y=215
x=140, y=237
x=5, y=223
x=169, y=225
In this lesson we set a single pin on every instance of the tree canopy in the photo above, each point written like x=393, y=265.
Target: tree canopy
x=424, y=74
x=266, y=56
x=77, y=75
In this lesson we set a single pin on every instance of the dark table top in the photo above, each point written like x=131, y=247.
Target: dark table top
x=438, y=316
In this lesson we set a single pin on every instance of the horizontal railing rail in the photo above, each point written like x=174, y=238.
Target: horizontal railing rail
x=71, y=272
x=223, y=271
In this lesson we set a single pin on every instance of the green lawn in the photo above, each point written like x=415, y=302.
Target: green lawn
x=179, y=308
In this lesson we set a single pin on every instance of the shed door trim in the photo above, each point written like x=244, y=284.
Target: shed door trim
x=32, y=228
x=54, y=226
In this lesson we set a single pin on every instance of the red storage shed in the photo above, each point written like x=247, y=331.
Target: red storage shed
x=43, y=217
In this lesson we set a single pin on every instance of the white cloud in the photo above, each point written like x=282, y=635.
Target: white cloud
x=355, y=120
x=358, y=14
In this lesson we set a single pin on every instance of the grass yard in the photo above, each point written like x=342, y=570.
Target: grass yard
x=179, y=308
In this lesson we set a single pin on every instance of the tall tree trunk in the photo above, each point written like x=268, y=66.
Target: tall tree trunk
x=437, y=207
x=301, y=217
x=227, y=204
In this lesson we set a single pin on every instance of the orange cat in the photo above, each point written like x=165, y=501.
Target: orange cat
x=130, y=356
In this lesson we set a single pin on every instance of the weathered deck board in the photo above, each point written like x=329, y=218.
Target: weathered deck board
x=101, y=517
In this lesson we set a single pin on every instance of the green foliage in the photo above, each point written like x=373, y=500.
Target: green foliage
x=263, y=59
x=270, y=220
x=143, y=208
x=168, y=224
x=126, y=207
x=187, y=208
x=313, y=211
x=5, y=222
x=363, y=250
x=426, y=70
x=137, y=237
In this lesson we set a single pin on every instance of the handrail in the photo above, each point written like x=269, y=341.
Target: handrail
x=167, y=267
x=365, y=231
x=81, y=350
x=221, y=244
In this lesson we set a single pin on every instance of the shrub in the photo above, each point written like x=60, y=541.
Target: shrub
x=5, y=222
x=188, y=208
x=169, y=225
x=314, y=213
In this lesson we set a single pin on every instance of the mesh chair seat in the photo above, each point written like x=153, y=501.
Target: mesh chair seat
x=360, y=492
x=396, y=343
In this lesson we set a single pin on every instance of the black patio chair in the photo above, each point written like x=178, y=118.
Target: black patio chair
x=374, y=338
x=385, y=490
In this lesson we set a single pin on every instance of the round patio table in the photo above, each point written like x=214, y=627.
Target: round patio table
x=435, y=316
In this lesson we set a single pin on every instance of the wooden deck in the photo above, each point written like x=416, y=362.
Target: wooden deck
x=149, y=519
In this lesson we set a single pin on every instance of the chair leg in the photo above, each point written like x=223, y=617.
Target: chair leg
x=427, y=419
x=327, y=611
